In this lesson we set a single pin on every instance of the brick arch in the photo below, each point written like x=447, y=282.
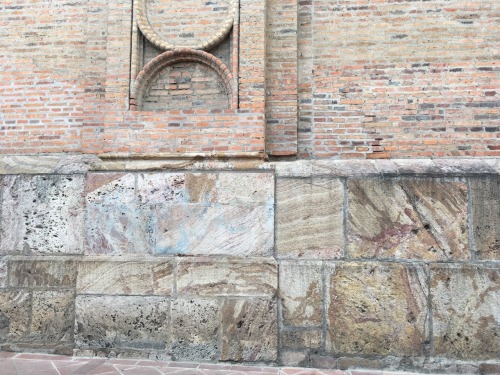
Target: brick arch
x=155, y=66
x=156, y=40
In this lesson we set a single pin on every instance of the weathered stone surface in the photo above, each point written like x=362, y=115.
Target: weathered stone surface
x=213, y=229
x=301, y=293
x=53, y=316
x=42, y=214
x=485, y=195
x=249, y=330
x=227, y=277
x=43, y=272
x=195, y=329
x=120, y=229
x=3, y=271
x=14, y=314
x=110, y=188
x=109, y=275
x=309, y=218
x=301, y=339
x=410, y=219
x=114, y=322
x=376, y=309
x=466, y=311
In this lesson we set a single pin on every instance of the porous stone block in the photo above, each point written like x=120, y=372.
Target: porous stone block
x=227, y=277
x=301, y=339
x=195, y=329
x=249, y=330
x=53, y=316
x=466, y=311
x=485, y=196
x=110, y=188
x=309, y=218
x=115, y=322
x=109, y=275
x=214, y=229
x=376, y=309
x=42, y=214
x=409, y=219
x=301, y=293
x=43, y=272
x=14, y=314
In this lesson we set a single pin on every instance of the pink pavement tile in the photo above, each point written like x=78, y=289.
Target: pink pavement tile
x=102, y=369
x=7, y=368
x=7, y=354
x=142, y=370
x=214, y=366
x=306, y=371
x=128, y=362
x=366, y=372
x=184, y=371
x=153, y=363
x=183, y=364
x=48, y=357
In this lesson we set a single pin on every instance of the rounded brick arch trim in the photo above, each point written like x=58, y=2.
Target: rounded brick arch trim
x=153, y=37
x=155, y=66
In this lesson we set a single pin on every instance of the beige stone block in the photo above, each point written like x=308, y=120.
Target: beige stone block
x=43, y=272
x=485, y=196
x=227, y=277
x=14, y=314
x=301, y=339
x=466, y=311
x=301, y=293
x=249, y=330
x=376, y=309
x=409, y=219
x=132, y=276
x=53, y=316
x=309, y=218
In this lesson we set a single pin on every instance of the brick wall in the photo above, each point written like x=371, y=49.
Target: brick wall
x=337, y=79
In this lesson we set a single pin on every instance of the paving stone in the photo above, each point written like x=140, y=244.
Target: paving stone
x=301, y=293
x=227, y=277
x=195, y=329
x=114, y=322
x=465, y=311
x=408, y=219
x=43, y=272
x=53, y=316
x=196, y=229
x=3, y=271
x=42, y=214
x=301, y=339
x=14, y=314
x=376, y=309
x=109, y=275
x=485, y=196
x=121, y=229
x=309, y=218
x=249, y=330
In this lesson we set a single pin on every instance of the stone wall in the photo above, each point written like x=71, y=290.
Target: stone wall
x=325, y=264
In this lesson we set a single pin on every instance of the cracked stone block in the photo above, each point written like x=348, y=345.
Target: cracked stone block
x=43, y=272
x=42, y=214
x=249, y=330
x=53, y=316
x=485, y=196
x=376, y=309
x=227, y=277
x=3, y=271
x=407, y=219
x=14, y=315
x=108, y=275
x=309, y=218
x=195, y=329
x=466, y=311
x=301, y=293
x=116, y=322
x=197, y=229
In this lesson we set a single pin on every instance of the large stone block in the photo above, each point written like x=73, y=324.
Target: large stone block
x=410, y=219
x=485, y=195
x=15, y=309
x=377, y=309
x=109, y=275
x=301, y=293
x=43, y=272
x=227, y=277
x=110, y=188
x=249, y=330
x=466, y=311
x=309, y=218
x=53, y=316
x=116, y=322
x=42, y=214
x=4, y=261
x=221, y=229
x=195, y=329
x=309, y=339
